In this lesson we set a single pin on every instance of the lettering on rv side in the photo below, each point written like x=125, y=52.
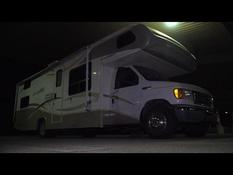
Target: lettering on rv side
x=38, y=92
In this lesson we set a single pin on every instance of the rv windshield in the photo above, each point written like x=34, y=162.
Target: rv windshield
x=185, y=78
x=148, y=73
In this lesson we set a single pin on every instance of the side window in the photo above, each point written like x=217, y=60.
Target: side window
x=125, y=39
x=27, y=84
x=24, y=102
x=58, y=78
x=77, y=79
x=125, y=77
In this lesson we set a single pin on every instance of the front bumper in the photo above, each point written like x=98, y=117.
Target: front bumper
x=194, y=114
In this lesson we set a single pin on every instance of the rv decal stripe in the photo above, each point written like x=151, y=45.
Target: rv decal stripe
x=41, y=105
x=72, y=108
x=82, y=94
x=75, y=96
x=35, y=105
x=94, y=94
x=114, y=97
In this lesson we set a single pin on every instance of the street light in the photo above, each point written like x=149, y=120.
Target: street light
x=171, y=24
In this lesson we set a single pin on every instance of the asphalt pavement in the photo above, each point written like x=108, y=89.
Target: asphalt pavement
x=212, y=143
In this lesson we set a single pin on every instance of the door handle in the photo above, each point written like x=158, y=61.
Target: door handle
x=113, y=95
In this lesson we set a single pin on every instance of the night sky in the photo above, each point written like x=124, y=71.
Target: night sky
x=28, y=47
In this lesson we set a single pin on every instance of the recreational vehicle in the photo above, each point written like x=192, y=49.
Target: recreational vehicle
x=122, y=79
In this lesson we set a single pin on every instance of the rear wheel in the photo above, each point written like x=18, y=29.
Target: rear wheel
x=159, y=121
x=42, y=128
x=89, y=133
x=43, y=132
x=196, y=130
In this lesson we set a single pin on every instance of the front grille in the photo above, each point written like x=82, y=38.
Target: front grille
x=202, y=99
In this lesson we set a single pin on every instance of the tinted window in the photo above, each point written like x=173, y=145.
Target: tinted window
x=125, y=39
x=125, y=77
x=77, y=79
x=148, y=74
x=24, y=102
x=27, y=84
x=58, y=78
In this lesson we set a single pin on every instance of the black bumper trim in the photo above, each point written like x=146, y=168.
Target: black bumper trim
x=194, y=114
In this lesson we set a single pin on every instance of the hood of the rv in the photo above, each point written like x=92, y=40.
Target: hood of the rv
x=169, y=84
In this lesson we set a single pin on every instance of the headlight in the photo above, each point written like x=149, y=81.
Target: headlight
x=182, y=93
x=178, y=93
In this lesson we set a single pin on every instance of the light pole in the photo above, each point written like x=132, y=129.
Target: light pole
x=232, y=121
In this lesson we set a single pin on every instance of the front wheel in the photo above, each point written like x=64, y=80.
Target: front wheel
x=159, y=121
x=196, y=130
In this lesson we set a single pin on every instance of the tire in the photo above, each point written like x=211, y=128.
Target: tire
x=196, y=130
x=89, y=133
x=159, y=121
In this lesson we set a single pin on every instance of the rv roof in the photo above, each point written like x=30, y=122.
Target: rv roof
x=99, y=42
x=79, y=51
x=170, y=39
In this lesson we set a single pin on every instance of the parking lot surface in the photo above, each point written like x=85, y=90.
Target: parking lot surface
x=116, y=144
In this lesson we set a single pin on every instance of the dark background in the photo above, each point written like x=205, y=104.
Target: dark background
x=28, y=47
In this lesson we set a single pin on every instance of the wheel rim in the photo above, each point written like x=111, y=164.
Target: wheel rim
x=157, y=120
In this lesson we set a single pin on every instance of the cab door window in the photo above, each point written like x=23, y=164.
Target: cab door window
x=59, y=78
x=125, y=77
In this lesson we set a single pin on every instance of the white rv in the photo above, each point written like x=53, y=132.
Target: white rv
x=122, y=79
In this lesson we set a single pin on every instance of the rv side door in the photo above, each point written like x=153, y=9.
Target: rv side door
x=75, y=91
x=57, y=103
x=126, y=94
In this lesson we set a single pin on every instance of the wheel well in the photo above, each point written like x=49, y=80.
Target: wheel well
x=154, y=102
